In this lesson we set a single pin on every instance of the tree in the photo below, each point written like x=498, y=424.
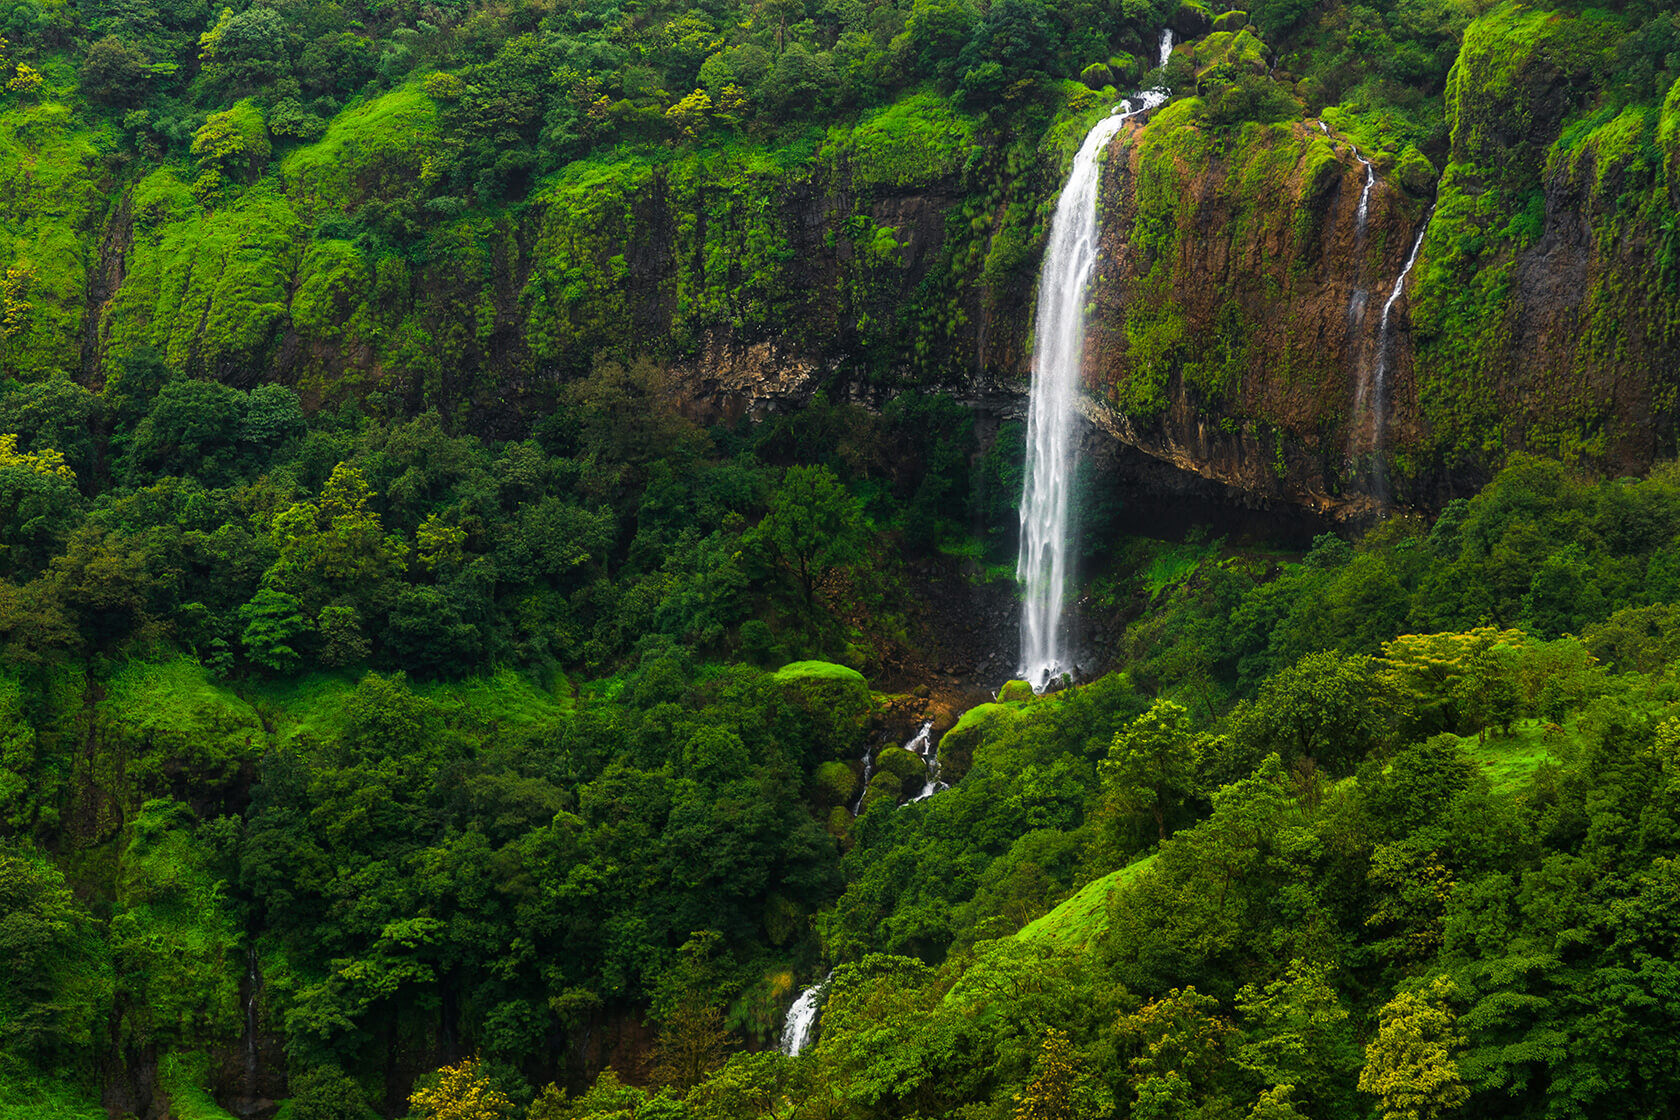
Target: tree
x=1299, y=1040
x=1324, y=707
x=1410, y=1065
x=114, y=73
x=1054, y=1093
x=691, y=1044
x=1151, y=764
x=273, y=621
x=813, y=529
x=461, y=1092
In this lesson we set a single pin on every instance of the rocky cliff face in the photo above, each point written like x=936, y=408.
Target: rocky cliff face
x=1238, y=315
x=1237, y=312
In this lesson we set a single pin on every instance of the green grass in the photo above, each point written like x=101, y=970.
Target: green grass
x=506, y=697
x=1510, y=761
x=1081, y=918
x=28, y=1098
x=182, y=1077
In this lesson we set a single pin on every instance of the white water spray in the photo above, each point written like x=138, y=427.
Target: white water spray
x=1166, y=46
x=1058, y=360
x=922, y=747
x=801, y=1021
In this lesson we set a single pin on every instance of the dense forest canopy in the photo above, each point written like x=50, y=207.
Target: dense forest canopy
x=418, y=699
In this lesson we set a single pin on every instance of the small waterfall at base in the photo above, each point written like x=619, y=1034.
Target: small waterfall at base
x=868, y=772
x=1058, y=360
x=922, y=747
x=1379, y=381
x=801, y=1021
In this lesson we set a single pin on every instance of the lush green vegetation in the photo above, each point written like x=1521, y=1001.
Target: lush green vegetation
x=413, y=701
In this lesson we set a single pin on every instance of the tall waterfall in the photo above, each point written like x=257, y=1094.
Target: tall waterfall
x=1058, y=358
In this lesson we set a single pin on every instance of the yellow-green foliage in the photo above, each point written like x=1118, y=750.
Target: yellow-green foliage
x=207, y=287
x=817, y=670
x=175, y=937
x=233, y=142
x=378, y=147
x=918, y=139
x=50, y=200
x=177, y=719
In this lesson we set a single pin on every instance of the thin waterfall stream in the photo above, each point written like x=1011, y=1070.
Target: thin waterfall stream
x=1379, y=380
x=1052, y=420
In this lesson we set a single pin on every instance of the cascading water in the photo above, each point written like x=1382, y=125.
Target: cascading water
x=1379, y=381
x=922, y=747
x=1360, y=215
x=1166, y=46
x=1058, y=358
x=868, y=772
x=801, y=1021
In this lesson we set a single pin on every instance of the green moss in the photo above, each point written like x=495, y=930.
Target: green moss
x=1012, y=692
x=817, y=670
x=183, y=1077
x=179, y=719
x=51, y=200
x=917, y=140
x=175, y=937
x=206, y=287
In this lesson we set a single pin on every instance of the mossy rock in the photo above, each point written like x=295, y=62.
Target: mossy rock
x=1012, y=692
x=884, y=786
x=818, y=670
x=956, y=746
x=1190, y=20
x=901, y=763
x=1097, y=75
x=1416, y=173
x=1230, y=21
x=836, y=701
x=1126, y=68
x=839, y=823
x=834, y=783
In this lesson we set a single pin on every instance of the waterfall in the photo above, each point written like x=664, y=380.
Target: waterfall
x=801, y=1021
x=922, y=747
x=1379, y=388
x=1166, y=46
x=868, y=772
x=1058, y=358
x=1364, y=194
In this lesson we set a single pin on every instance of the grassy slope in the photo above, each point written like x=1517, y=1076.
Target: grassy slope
x=1079, y=919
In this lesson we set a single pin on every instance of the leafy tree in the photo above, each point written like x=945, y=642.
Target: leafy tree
x=1325, y=707
x=813, y=529
x=273, y=621
x=1152, y=764
x=461, y=1092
